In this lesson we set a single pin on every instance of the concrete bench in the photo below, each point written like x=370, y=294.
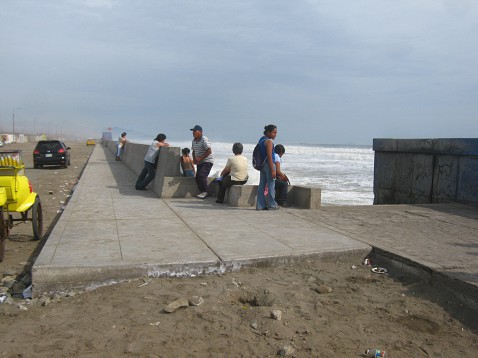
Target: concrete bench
x=297, y=196
x=169, y=184
x=175, y=187
x=180, y=187
x=238, y=195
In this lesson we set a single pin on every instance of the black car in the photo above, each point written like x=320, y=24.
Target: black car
x=51, y=152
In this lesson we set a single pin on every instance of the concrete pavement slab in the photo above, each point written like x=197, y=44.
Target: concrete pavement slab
x=110, y=232
x=442, y=237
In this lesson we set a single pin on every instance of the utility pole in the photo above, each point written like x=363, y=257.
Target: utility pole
x=13, y=120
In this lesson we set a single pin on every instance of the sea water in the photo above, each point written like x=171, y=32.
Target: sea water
x=344, y=173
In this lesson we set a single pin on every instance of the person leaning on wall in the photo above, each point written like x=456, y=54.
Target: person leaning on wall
x=120, y=146
x=149, y=171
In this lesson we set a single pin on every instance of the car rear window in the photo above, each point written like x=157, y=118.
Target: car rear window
x=49, y=146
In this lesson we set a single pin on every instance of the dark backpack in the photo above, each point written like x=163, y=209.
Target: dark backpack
x=258, y=159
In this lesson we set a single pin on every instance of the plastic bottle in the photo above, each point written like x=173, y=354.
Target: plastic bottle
x=375, y=353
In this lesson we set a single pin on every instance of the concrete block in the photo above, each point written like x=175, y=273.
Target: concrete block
x=297, y=196
x=177, y=187
x=241, y=195
x=169, y=162
x=304, y=197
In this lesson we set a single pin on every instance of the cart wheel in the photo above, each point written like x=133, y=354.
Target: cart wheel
x=37, y=219
x=3, y=235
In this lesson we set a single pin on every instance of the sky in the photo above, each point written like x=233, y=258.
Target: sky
x=323, y=71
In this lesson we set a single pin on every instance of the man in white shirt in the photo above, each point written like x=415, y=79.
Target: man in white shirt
x=234, y=173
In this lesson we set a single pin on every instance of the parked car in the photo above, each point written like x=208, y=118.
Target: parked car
x=90, y=141
x=51, y=152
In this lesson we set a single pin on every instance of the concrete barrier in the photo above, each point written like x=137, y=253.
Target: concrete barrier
x=169, y=183
x=421, y=171
x=297, y=196
x=304, y=197
x=241, y=195
x=178, y=187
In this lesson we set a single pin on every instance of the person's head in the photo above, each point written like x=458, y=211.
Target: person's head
x=237, y=148
x=160, y=137
x=123, y=134
x=270, y=131
x=185, y=151
x=197, y=131
x=279, y=149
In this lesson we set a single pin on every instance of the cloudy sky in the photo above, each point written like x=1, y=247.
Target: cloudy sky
x=323, y=71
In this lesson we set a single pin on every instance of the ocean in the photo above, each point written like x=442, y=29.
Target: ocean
x=344, y=173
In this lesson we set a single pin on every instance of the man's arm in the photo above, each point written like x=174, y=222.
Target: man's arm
x=227, y=169
x=199, y=159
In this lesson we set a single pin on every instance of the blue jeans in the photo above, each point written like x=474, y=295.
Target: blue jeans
x=146, y=176
x=188, y=173
x=281, y=192
x=119, y=151
x=266, y=179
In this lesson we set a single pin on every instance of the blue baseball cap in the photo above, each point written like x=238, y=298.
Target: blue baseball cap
x=197, y=128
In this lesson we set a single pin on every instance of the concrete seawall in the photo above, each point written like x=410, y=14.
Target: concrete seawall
x=422, y=171
x=169, y=182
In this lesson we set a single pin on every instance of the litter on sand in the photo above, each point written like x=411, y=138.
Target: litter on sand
x=380, y=270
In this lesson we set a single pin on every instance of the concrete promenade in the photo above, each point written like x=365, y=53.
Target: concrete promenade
x=109, y=232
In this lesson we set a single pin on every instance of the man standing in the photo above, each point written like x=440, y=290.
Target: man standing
x=203, y=158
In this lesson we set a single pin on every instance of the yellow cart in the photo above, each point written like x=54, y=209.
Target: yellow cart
x=17, y=198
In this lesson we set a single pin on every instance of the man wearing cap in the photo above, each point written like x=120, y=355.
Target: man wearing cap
x=203, y=158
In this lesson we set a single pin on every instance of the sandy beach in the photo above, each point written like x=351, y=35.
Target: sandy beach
x=328, y=308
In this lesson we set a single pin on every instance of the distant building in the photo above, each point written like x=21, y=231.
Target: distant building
x=106, y=136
